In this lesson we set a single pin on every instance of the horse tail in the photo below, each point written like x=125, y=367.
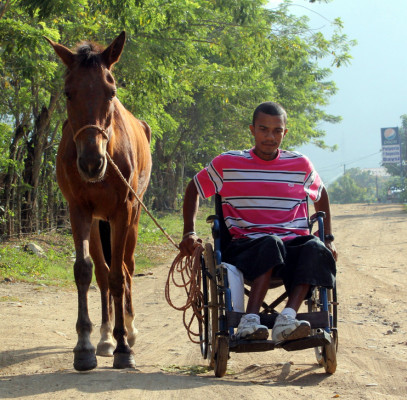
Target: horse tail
x=104, y=232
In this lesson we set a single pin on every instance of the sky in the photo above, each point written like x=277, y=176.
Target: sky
x=372, y=90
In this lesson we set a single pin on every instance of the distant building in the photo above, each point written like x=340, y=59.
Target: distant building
x=381, y=171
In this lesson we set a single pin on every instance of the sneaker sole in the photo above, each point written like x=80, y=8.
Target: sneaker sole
x=259, y=334
x=299, y=333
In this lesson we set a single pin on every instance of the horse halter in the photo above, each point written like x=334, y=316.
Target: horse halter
x=101, y=130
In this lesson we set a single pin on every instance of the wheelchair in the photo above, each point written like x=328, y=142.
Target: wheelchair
x=218, y=337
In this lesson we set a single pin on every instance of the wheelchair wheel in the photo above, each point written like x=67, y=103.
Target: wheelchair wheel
x=213, y=312
x=326, y=355
x=203, y=327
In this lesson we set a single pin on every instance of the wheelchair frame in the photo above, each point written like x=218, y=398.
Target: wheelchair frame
x=218, y=339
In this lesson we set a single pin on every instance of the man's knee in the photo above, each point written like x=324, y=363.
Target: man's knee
x=273, y=241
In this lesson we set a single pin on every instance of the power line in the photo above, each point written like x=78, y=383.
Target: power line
x=340, y=164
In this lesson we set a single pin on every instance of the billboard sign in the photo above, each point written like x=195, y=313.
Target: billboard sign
x=391, y=149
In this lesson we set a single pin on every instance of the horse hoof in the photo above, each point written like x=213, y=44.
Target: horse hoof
x=124, y=360
x=105, y=349
x=85, y=360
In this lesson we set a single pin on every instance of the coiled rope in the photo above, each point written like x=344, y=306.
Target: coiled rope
x=185, y=272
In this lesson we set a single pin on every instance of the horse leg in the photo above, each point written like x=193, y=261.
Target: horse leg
x=99, y=238
x=84, y=352
x=123, y=355
x=130, y=266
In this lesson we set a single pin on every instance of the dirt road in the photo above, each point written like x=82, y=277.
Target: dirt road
x=37, y=332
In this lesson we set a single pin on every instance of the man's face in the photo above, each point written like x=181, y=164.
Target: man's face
x=268, y=131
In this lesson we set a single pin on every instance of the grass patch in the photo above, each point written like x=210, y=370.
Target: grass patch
x=12, y=299
x=186, y=369
x=154, y=248
x=172, y=223
x=55, y=267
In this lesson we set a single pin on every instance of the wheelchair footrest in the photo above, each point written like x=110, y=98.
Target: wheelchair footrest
x=320, y=339
x=251, y=346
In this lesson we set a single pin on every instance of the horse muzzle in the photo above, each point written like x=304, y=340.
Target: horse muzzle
x=92, y=168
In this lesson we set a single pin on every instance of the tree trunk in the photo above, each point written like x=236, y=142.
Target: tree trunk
x=165, y=179
x=11, y=179
x=33, y=164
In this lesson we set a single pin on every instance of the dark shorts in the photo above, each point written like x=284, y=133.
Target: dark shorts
x=303, y=260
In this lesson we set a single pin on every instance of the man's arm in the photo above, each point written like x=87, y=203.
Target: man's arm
x=190, y=210
x=323, y=205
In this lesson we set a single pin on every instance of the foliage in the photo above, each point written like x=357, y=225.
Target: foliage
x=345, y=190
x=395, y=190
x=358, y=186
x=194, y=70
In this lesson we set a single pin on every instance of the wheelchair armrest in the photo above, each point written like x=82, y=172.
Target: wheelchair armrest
x=314, y=217
x=318, y=217
x=212, y=218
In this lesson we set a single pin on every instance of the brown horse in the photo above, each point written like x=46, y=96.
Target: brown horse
x=98, y=126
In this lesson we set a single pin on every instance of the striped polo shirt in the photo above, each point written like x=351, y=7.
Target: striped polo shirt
x=262, y=197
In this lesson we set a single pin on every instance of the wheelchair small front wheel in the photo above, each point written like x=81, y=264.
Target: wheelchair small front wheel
x=221, y=356
x=326, y=355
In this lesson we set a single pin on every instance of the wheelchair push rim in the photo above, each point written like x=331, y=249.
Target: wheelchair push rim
x=211, y=306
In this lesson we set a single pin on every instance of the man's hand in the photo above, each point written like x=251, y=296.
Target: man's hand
x=330, y=246
x=188, y=244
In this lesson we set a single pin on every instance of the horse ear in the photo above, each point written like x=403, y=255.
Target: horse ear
x=112, y=54
x=63, y=52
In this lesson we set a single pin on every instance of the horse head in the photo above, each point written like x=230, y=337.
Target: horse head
x=90, y=91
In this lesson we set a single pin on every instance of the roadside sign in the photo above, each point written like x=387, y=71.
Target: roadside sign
x=391, y=149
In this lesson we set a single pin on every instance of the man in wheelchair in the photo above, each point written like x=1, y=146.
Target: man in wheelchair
x=264, y=201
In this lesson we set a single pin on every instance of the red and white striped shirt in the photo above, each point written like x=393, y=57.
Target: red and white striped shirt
x=262, y=197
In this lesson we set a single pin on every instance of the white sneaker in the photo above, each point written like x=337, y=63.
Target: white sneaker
x=250, y=329
x=289, y=328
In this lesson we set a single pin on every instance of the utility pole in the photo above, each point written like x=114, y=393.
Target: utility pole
x=377, y=187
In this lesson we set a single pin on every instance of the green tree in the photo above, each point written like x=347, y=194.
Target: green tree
x=345, y=190
x=359, y=186
x=194, y=70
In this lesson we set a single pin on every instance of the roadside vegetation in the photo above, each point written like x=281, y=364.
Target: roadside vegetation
x=55, y=266
x=363, y=186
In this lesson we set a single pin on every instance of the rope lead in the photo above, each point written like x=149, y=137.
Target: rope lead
x=116, y=168
x=188, y=268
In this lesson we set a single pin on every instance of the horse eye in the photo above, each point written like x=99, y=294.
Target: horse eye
x=67, y=95
x=113, y=93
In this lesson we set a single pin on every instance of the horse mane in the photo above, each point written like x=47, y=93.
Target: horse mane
x=88, y=54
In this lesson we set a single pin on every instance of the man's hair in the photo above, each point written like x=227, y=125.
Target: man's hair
x=271, y=108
